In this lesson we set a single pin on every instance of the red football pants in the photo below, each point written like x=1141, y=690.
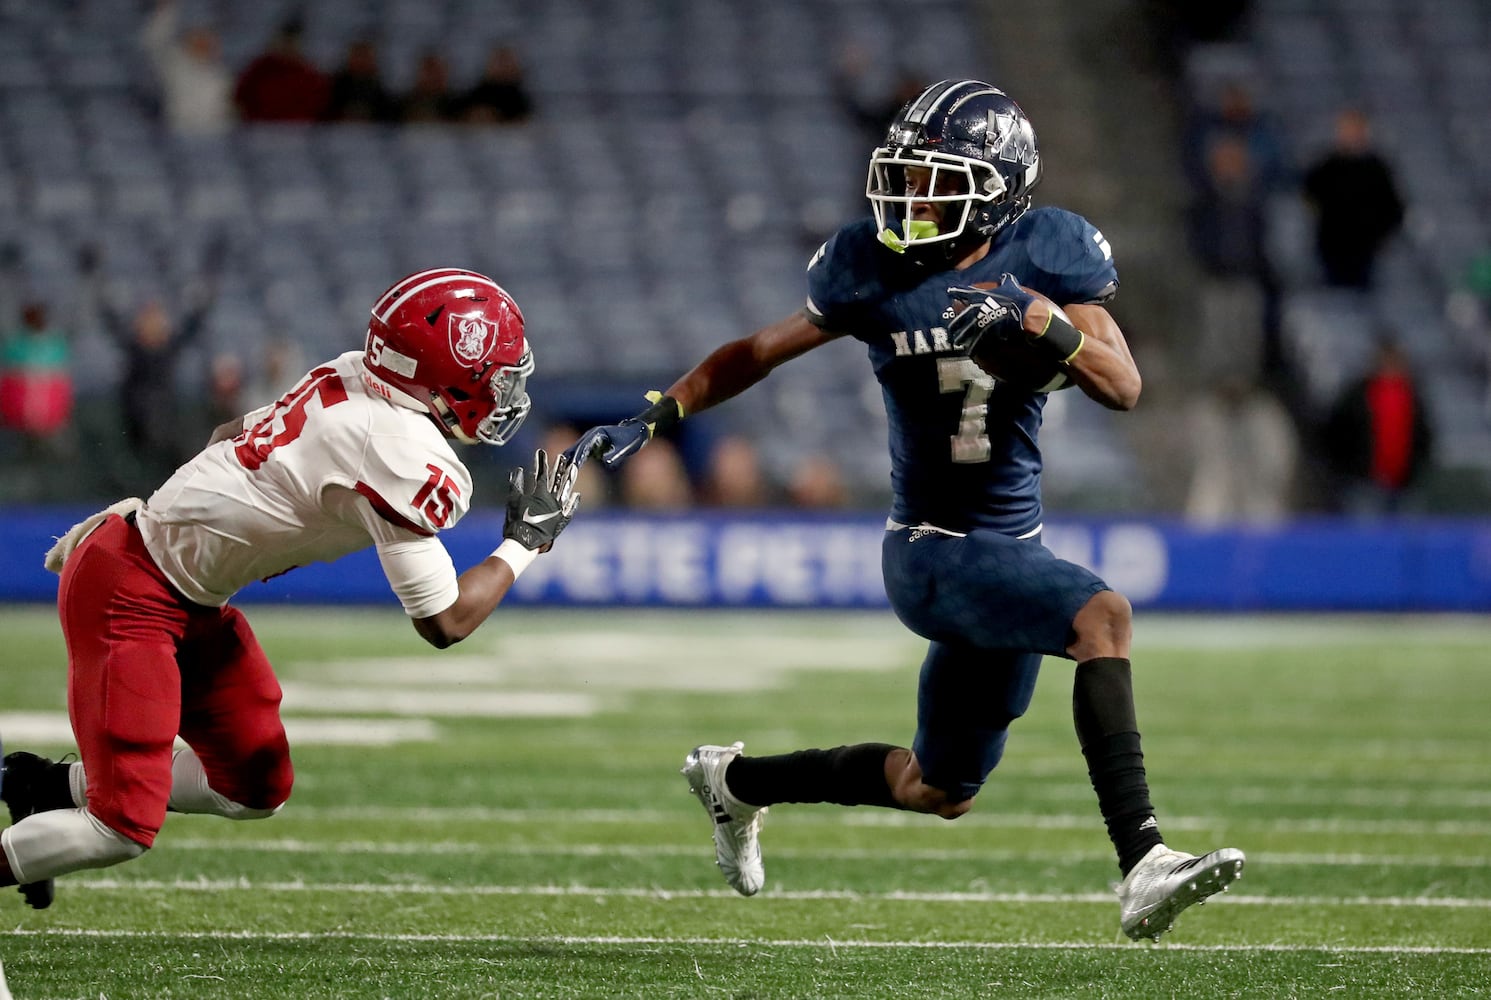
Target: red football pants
x=144, y=665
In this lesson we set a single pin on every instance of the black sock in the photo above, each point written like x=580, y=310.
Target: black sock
x=847, y=776
x=51, y=786
x=54, y=791
x=1108, y=731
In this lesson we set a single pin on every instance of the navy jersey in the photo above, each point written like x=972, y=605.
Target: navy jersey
x=964, y=451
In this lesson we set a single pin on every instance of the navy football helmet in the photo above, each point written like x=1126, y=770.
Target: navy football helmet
x=960, y=144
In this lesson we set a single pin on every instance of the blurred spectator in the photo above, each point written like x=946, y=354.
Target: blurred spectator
x=195, y=84
x=1478, y=278
x=1234, y=114
x=280, y=366
x=655, y=479
x=501, y=95
x=817, y=483
x=1356, y=202
x=1238, y=294
x=36, y=388
x=147, y=392
x=733, y=477
x=1378, y=437
x=1245, y=452
x=225, y=394
x=1172, y=28
x=281, y=84
x=868, y=98
x=358, y=93
x=430, y=99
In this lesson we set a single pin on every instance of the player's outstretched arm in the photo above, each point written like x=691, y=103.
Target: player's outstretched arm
x=729, y=370
x=734, y=367
x=540, y=504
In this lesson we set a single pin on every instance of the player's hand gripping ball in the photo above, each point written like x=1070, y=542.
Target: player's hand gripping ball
x=988, y=327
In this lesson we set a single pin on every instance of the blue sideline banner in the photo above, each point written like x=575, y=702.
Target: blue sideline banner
x=788, y=560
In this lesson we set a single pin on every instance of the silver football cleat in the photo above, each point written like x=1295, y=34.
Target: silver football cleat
x=1165, y=882
x=737, y=826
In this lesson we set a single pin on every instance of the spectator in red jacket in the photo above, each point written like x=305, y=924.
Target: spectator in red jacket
x=281, y=84
x=1378, y=436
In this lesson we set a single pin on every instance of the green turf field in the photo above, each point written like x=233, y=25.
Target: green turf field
x=505, y=819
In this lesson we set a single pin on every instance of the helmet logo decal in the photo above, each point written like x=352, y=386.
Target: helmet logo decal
x=1007, y=139
x=471, y=338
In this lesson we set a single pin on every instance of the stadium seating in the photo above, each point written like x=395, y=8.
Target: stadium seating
x=685, y=161
x=1420, y=71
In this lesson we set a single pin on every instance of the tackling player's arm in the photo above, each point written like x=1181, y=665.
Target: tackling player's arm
x=539, y=506
x=482, y=588
x=444, y=607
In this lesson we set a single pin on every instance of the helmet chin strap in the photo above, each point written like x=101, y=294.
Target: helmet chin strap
x=447, y=419
x=437, y=410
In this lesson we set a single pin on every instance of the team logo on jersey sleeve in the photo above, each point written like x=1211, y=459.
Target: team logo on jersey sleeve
x=471, y=338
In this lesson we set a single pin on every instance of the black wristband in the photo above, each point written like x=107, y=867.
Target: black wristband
x=1060, y=338
x=663, y=414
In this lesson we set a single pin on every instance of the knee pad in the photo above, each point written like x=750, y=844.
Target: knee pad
x=47, y=844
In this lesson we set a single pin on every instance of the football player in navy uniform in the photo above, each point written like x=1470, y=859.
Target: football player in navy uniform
x=938, y=285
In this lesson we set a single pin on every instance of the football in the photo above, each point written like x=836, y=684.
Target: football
x=1018, y=361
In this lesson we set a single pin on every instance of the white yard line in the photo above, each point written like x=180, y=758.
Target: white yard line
x=890, y=818
x=290, y=845
x=449, y=703
x=614, y=892
x=54, y=728
x=824, y=943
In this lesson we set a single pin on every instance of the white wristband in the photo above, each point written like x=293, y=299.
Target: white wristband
x=515, y=555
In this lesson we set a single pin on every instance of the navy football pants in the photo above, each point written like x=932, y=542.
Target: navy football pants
x=991, y=605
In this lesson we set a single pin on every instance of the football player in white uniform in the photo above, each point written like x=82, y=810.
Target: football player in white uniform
x=358, y=454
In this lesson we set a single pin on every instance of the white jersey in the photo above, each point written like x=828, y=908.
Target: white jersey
x=332, y=467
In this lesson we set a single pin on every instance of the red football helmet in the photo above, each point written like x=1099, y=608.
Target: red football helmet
x=452, y=340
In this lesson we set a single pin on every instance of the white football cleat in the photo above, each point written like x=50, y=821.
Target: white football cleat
x=737, y=826
x=1165, y=882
